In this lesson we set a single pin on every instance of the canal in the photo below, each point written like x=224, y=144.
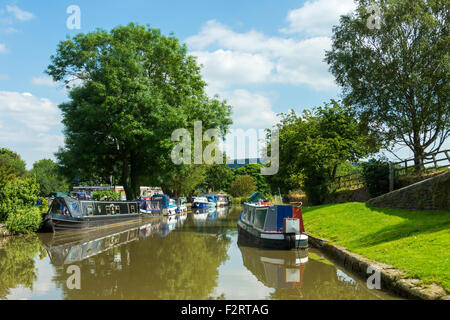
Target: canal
x=193, y=257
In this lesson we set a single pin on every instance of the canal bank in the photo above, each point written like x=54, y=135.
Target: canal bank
x=408, y=248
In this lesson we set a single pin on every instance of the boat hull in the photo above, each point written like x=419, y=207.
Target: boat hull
x=57, y=223
x=247, y=235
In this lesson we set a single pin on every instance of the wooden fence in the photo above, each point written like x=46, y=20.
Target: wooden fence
x=432, y=162
x=351, y=181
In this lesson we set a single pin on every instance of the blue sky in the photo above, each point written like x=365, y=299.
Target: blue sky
x=264, y=57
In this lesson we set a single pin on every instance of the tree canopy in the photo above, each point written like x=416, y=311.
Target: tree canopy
x=11, y=166
x=135, y=87
x=397, y=76
x=315, y=144
x=48, y=177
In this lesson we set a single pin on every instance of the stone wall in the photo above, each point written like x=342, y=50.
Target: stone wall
x=342, y=196
x=430, y=194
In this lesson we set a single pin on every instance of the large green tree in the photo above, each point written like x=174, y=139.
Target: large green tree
x=218, y=177
x=397, y=75
x=314, y=145
x=48, y=177
x=134, y=87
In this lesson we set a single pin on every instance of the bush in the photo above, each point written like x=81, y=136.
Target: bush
x=243, y=186
x=316, y=186
x=375, y=175
x=24, y=220
x=17, y=194
x=108, y=195
x=238, y=200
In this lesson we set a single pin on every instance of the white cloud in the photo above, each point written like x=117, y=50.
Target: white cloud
x=30, y=125
x=38, y=114
x=44, y=81
x=226, y=67
x=19, y=14
x=2, y=48
x=254, y=57
x=4, y=77
x=250, y=110
x=316, y=18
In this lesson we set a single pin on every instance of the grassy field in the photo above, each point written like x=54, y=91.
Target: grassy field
x=417, y=242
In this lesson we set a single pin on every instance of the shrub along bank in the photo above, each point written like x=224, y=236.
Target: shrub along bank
x=18, y=211
x=416, y=242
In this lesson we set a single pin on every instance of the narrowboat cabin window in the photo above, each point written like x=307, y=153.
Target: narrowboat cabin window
x=74, y=207
x=59, y=207
x=260, y=217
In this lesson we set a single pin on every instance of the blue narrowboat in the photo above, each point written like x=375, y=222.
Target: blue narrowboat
x=271, y=226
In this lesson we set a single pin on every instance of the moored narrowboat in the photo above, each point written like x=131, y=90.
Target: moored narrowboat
x=66, y=213
x=272, y=226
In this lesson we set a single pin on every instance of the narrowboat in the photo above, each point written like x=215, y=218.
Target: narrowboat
x=272, y=226
x=223, y=200
x=161, y=204
x=66, y=213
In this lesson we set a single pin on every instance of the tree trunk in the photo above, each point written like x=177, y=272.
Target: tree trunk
x=126, y=177
x=134, y=177
x=419, y=155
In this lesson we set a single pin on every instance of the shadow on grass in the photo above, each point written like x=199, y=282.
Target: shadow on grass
x=415, y=222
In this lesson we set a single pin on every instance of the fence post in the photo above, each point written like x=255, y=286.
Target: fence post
x=391, y=177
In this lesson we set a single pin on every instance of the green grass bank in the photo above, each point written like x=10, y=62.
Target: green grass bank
x=416, y=242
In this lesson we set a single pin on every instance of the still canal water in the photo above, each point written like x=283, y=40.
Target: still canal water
x=195, y=257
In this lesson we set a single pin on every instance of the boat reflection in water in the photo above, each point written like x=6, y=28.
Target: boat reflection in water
x=69, y=247
x=276, y=268
x=203, y=216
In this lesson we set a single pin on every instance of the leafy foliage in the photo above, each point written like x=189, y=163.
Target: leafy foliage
x=243, y=186
x=11, y=166
x=17, y=194
x=314, y=145
x=218, y=177
x=137, y=87
x=397, y=77
x=24, y=220
x=375, y=174
x=106, y=195
x=49, y=178
x=186, y=181
x=254, y=170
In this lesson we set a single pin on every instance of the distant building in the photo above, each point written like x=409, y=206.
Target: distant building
x=238, y=163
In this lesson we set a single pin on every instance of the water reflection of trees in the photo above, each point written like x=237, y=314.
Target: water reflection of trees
x=17, y=267
x=183, y=265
